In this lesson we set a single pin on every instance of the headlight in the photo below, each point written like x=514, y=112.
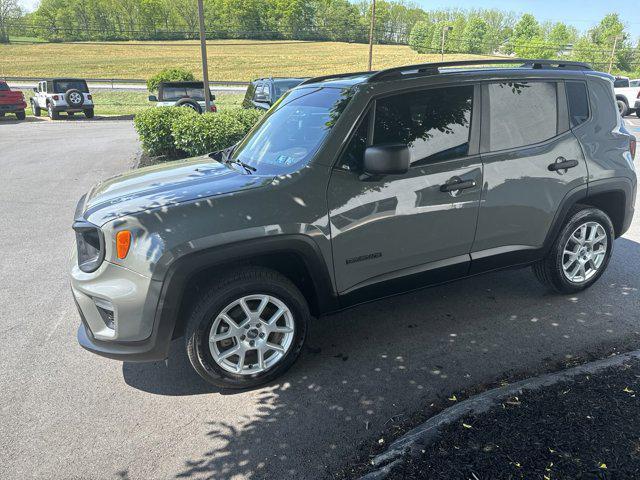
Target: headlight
x=90, y=243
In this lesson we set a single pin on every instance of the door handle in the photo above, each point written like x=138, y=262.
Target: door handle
x=457, y=184
x=562, y=163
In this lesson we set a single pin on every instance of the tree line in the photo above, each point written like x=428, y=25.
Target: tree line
x=477, y=31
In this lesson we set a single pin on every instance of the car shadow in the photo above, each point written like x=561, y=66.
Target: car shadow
x=370, y=367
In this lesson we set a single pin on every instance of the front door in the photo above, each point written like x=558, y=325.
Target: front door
x=525, y=140
x=398, y=231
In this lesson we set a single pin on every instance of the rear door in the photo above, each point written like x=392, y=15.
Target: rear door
x=531, y=160
x=403, y=231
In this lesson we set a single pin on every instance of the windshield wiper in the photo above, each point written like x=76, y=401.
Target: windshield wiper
x=224, y=156
x=247, y=168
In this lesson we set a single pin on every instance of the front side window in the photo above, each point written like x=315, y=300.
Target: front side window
x=292, y=130
x=578, y=101
x=353, y=156
x=521, y=113
x=435, y=124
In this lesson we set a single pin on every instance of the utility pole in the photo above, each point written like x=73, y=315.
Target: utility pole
x=371, y=32
x=445, y=29
x=203, y=53
x=613, y=52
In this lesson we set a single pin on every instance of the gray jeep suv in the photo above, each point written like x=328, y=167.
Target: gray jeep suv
x=352, y=188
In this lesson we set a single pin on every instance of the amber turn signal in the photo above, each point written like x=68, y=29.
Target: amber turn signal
x=123, y=242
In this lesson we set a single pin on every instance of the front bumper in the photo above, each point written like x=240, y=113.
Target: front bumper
x=135, y=334
x=13, y=108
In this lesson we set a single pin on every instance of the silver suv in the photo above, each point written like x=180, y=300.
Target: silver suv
x=352, y=188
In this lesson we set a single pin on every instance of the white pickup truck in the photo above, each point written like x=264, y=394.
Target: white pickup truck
x=627, y=95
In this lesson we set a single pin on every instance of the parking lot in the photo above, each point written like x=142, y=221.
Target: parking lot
x=69, y=414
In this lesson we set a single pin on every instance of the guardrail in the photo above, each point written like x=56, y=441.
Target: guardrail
x=120, y=81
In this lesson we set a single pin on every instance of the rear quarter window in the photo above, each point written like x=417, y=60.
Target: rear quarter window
x=578, y=100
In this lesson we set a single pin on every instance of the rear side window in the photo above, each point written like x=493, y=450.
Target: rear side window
x=521, y=113
x=621, y=83
x=434, y=124
x=578, y=100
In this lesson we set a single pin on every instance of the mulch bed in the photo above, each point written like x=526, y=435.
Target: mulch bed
x=582, y=429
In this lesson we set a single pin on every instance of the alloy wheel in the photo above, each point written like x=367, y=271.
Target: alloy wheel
x=251, y=334
x=584, y=252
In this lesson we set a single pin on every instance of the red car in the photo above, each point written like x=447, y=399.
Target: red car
x=11, y=102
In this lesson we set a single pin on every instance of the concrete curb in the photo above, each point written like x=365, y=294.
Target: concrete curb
x=414, y=440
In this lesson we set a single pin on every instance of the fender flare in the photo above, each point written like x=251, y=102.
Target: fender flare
x=182, y=270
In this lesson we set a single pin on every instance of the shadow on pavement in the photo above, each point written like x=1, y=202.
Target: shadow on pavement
x=370, y=366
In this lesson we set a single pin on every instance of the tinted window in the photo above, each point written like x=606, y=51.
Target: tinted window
x=434, y=124
x=281, y=86
x=3, y=86
x=354, y=153
x=621, y=83
x=578, y=102
x=172, y=94
x=61, y=86
x=634, y=83
x=521, y=113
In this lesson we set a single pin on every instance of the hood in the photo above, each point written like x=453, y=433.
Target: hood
x=163, y=185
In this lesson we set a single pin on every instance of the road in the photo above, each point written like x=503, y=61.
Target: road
x=215, y=88
x=69, y=414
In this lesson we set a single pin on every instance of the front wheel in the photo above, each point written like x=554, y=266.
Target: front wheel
x=36, y=109
x=247, y=329
x=21, y=115
x=622, y=107
x=580, y=254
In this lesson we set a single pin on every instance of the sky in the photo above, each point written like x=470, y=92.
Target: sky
x=582, y=14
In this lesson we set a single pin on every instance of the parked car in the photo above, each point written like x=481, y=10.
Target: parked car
x=264, y=92
x=58, y=95
x=11, y=101
x=352, y=188
x=627, y=96
x=182, y=94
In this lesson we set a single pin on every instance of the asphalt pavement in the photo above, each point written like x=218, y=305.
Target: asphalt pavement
x=66, y=413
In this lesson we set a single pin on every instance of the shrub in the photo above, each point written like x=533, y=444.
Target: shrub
x=169, y=75
x=154, y=129
x=210, y=132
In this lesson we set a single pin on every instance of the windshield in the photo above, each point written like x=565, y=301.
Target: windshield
x=176, y=93
x=61, y=86
x=291, y=132
x=281, y=87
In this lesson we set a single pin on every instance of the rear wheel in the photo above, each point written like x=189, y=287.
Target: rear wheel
x=580, y=254
x=247, y=329
x=622, y=107
x=53, y=115
x=21, y=115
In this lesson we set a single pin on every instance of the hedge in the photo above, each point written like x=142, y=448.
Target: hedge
x=210, y=132
x=169, y=75
x=154, y=129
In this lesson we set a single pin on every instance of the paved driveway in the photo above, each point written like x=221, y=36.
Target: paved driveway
x=69, y=414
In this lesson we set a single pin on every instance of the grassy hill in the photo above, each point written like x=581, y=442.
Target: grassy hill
x=228, y=59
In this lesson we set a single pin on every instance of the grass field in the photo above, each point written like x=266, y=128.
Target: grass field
x=118, y=102
x=228, y=59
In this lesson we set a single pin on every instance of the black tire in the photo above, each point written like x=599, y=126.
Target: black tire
x=70, y=114
x=187, y=102
x=549, y=270
x=21, y=115
x=638, y=113
x=623, y=108
x=226, y=289
x=36, y=109
x=88, y=113
x=74, y=97
x=53, y=115
x=1, y=114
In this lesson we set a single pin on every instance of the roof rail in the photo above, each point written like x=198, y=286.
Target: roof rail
x=336, y=75
x=434, y=68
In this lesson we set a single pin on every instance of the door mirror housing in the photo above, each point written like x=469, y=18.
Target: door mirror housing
x=387, y=159
x=35, y=89
x=153, y=98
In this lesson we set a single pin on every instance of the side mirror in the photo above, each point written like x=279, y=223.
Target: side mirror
x=212, y=96
x=35, y=89
x=386, y=159
x=153, y=98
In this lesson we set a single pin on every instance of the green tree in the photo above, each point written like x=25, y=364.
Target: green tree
x=474, y=36
x=420, y=37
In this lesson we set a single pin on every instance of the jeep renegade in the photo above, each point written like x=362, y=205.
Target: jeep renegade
x=352, y=188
